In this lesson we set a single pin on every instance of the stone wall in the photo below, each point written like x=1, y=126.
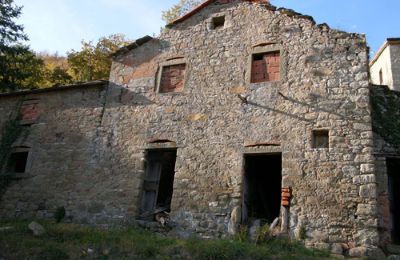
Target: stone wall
x=395, y=60
x=66, y=155
x=89, y=146
x=323, y=85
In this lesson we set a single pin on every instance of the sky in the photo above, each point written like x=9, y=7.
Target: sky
x=61, y=25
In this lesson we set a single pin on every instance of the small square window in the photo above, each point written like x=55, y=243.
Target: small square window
x=320, y=139
x=172, y=78
x=265, y=67
x=17, y=162
x=218, y=22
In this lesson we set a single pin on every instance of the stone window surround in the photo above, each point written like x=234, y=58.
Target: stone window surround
x=28, y=165
x=210, y=21
x=171, y=62
x=269, y=47
x=29, y=102
x=313, y=131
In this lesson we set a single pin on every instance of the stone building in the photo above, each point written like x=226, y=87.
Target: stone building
x=238, y=113
x=385, y=66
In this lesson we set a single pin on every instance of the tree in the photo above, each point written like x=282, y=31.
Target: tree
x=179, y=9
x=56, y=70
x=19, y=66
x=93, y=61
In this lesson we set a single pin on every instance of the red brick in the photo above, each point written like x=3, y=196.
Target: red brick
x=172, y=78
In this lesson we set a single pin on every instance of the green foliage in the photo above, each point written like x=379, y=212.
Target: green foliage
x=10, y=32
x=303, y=232
x=19, y=66
x=20, y=69
x=262, y=233
x=73, y=241
x=93, y=61
x=385, y=106
x=179, y=9
x=9, y=134
x=59, y=214
x=242, y=234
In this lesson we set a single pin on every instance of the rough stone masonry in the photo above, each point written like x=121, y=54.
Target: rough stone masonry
x=234, y=99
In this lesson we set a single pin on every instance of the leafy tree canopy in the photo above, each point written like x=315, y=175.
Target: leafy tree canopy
x=19, y=66
x=93, y=61
x=179, y=9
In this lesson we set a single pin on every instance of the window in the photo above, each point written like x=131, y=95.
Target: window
x=380, y=77
x=17, y=162
x=218, y=22
x=29, y=112
x=320, y=139
x=265, y=67
x=172, y=78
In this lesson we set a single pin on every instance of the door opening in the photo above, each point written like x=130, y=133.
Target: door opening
x=262, y=187
x=158, y=182
x=393, y=170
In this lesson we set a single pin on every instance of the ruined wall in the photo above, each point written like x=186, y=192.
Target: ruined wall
x=66, y=165
x=323, y=85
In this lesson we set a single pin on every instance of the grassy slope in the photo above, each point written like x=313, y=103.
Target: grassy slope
x=69, y=241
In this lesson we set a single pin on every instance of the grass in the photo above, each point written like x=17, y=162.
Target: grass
x=71, y=241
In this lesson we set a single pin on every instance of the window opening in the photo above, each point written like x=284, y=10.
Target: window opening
x=262, y=187
x=17, y=162
x=380, y=77
x=393, y=170
x=218, y=22
x=158, y=183
x=265, y=67
x=172, y=78
x=320, y=139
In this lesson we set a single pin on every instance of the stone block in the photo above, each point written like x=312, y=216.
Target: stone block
x=367, y=191
x=358, y=252
x=364, y=179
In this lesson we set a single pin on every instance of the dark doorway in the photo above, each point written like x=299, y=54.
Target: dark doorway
x=393, y=170
x=262, y=187
x=158, y=182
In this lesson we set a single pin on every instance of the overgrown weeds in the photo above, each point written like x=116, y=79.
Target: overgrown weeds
x=71, y=241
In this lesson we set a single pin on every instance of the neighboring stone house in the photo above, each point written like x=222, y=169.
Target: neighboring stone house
x=385, y=66
x=238, y=113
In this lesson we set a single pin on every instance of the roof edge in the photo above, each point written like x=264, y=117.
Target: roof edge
x=137, y=43
x=96, y=83
x=388, y=41
x=205, y=4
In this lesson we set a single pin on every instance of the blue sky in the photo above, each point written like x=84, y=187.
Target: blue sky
x=60, y=25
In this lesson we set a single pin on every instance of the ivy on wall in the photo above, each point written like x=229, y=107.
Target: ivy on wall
x=10, y=132
x=385, y=105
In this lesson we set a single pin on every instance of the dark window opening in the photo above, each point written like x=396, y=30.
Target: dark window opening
x=393, y=170
x=380, y=77
x=218, y=22
x=262, y=187
x=265, y=67
x=320, y=139
x=17, y=162
x=159, y=182
x=172, y=78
